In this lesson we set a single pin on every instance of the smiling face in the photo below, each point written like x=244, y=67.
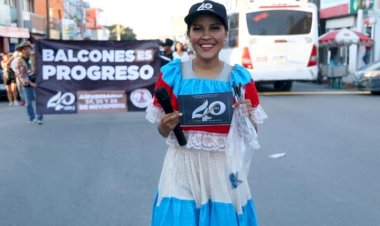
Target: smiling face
x=207, y=35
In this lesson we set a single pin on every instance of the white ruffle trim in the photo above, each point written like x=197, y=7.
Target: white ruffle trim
x=199, y=140
x=153, y=113
x=259, y=114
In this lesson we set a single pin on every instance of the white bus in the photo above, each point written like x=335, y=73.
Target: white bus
x=276, y=42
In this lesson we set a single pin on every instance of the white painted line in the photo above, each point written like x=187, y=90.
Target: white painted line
x=277, y=155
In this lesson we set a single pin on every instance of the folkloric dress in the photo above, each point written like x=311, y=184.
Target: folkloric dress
x=194, y=189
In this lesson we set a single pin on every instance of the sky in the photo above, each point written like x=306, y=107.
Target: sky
x=147, y=18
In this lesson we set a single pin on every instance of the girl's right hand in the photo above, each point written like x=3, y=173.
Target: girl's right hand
x=168, y=123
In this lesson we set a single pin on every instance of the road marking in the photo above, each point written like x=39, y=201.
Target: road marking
x=314, y=93
x=277, y=155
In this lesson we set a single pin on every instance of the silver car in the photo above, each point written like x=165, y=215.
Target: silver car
x=368, y=77
x=3, y=91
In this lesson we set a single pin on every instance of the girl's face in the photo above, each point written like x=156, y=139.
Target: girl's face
x=179, y=46
x=207, y=35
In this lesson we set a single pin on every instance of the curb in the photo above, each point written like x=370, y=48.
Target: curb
x=349, y=85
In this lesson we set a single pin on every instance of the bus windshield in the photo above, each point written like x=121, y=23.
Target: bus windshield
x=279, y=22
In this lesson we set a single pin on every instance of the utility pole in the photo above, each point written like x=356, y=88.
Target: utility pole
x=20, y=19
x=60, y=25
x=376, y=32
x=47, y=19
x=359, y=19
x=359, y=27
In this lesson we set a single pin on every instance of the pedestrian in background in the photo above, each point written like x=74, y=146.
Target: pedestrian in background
x=26, y=74
x=367, y=55
x=167, y=53
x=180, y=52
x=194, y=188
x=13, y=64
x=9, y=80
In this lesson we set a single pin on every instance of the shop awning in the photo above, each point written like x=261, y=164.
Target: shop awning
x=14, y=32
x=35, y=37
x=344, y=37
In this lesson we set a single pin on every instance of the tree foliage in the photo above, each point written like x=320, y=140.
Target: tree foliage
x=126, y=33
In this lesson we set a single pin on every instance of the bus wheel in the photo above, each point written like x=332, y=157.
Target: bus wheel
x=283, y=85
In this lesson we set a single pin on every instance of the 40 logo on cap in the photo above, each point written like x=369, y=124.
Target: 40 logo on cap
x=205, y=6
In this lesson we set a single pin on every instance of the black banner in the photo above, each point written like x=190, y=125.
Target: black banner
x=95, y=76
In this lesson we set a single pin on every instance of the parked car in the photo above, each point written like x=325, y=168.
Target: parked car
x=3, y=91
x=368, y=77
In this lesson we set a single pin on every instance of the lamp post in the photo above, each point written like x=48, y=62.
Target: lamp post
x=359, y=19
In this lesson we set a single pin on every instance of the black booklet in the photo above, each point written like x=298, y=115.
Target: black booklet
x=206, y=109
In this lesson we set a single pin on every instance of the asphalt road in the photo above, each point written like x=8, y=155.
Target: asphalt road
x=103, y=169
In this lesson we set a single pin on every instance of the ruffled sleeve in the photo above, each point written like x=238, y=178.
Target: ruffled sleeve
x=153, y=113
x=259, y=114
x=169, y=78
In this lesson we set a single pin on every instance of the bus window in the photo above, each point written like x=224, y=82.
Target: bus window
x=279, y=22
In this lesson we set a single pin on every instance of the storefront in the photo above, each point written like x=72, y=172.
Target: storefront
x=9, y=37
x=38, y=27
x=339, y=14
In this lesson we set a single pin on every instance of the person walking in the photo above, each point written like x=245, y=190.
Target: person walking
x=194, y=187
x=25, y=73
x=180, y=52
x=9, y=80
x=13, y=65
x=167, y=53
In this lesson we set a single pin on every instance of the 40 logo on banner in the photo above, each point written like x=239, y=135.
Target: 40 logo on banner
x=61, y=101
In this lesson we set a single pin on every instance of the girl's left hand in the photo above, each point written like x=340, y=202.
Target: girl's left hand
x=246, y=106
x=247, y=109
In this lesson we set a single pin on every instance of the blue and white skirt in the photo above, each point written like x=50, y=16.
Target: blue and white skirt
x=195, y=191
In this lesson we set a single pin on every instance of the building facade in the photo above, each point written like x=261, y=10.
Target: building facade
x=11, y=28
x=359, y=15
x=34, y=19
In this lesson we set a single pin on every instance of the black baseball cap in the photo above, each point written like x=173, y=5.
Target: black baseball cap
x=168, y=42
x=207, y=7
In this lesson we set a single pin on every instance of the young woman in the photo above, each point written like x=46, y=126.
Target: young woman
x=9, y=81
x=194, y=188
x=180, y=52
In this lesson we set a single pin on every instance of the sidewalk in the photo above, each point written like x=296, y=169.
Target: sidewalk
x=348, y=81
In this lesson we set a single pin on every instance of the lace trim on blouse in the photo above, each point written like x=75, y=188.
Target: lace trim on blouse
x=199, y=140
x=153, y=113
